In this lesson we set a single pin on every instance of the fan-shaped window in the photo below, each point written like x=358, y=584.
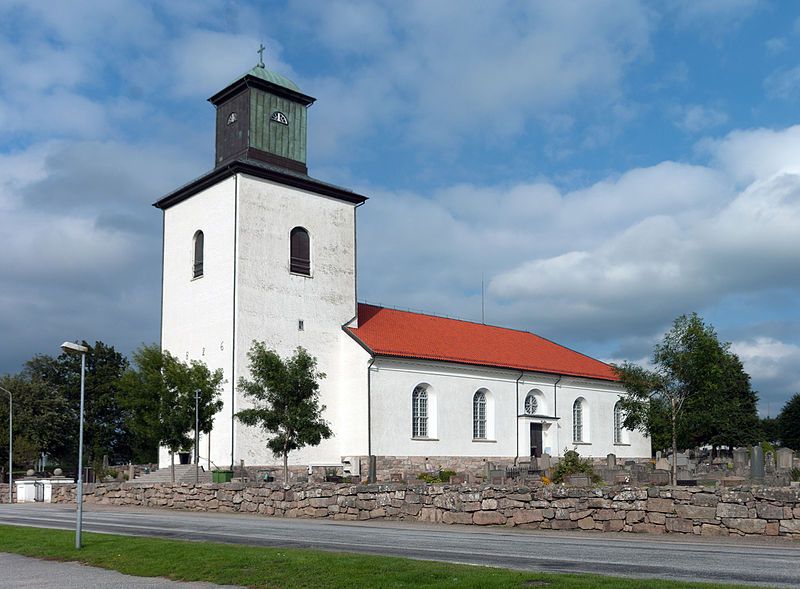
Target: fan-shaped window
x=300, y=255
x=577, y=420
x=531, y=404
x=618, y=420
x=197, y=262
x=479, y=416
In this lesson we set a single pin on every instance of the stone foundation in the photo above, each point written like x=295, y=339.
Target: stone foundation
x=4, y=493
x=706, y=511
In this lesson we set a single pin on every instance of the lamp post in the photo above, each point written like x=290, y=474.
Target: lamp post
x=196, y=436
x=10, y=443
x=71, y=348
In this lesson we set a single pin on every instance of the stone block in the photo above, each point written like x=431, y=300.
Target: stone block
x=647, y=529
x=705, y=499
x=455, y=517
x=489, y=504
x=614, y=525
x=767, y=511
x=746, y=525
x=563, y=524
x=680, y=525
x=773, y=528
x=576, y=515
x=661, y=505
x=604, y=515
x=731, y=510
x=790, y=526
x=697, y=513
x=633, y=517
x=526, y=516
x=488, y=518
x=713, y=530
x=656, y=518
x=586, y=523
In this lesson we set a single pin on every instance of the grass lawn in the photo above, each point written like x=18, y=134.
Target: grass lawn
x=253, y=566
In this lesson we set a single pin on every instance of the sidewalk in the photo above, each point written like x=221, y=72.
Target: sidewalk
x=21, y=571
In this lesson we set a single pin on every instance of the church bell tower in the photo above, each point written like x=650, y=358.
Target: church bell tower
x=262, y=116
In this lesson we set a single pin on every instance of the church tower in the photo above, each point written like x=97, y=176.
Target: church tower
x=256, y=249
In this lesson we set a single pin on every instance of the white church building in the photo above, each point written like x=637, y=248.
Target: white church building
x=256, y=249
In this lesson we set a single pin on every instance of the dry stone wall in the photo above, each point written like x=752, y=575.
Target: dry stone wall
x=705, y=511
x=4, y=493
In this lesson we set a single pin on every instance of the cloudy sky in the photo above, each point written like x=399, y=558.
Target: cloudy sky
x=606, y=166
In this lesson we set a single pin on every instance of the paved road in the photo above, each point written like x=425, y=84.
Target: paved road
x=759, y=561
x=34, y=574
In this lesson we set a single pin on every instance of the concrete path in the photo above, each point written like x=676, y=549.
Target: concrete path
x=23, y=572
x=755, y=561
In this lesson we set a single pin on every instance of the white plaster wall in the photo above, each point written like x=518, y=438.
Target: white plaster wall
x=271, y=300
x=393, y=381
x=197, y=314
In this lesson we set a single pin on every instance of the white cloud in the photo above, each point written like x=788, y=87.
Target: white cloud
x=695, y=118
x=783, y=83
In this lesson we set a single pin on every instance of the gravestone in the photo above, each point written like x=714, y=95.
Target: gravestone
x=683, y=459
x=658, y=455
x=659, y=477
x=544, y=461
x=739, y=460
x=785, y=458
x=663, y=464
x=611, y=461
x=757, y=463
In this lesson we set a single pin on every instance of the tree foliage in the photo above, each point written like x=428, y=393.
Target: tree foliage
x=697, y=385
x=158, y=394
x=285, y=396
x=789, y=423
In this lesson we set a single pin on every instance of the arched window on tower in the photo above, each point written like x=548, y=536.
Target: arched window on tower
x=300, y=254
x=419, y=412
x=479, y=416
x=197, y=258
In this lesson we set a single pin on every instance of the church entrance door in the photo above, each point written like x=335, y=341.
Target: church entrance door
x=536, y=440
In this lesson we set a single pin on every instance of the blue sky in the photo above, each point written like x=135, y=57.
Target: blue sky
x=606, y=166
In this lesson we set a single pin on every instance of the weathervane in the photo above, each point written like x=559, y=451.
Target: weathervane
x=261, y=55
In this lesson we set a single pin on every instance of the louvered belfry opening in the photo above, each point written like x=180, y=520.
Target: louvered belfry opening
x=300, y=256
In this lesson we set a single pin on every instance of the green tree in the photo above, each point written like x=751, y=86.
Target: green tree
x=770, y=430
x=158, y=394
x=789, y=423
x=105, y=431
x=285, y=394
x=698, y=383
x=42, y=418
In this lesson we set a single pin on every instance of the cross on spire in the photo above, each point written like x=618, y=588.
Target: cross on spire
x=261, y=55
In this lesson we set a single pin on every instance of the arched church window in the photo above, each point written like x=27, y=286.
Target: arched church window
x=479, y=416
x=577, y=420
x=300, y=254
x=419, y=412
x=197, y=260
x=531, y=404
x=618, y=419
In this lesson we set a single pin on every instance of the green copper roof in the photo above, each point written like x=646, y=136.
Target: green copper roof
x=268, y=76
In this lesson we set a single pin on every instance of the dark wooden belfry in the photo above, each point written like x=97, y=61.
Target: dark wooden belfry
x=262, y=116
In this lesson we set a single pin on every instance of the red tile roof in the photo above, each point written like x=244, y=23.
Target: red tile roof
x=389, y=332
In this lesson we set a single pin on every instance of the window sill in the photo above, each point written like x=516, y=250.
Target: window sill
x=484, y=441
x=424, y=439
x=300, y=274
x=197, y=277
x=622, y=444
x=581, y=443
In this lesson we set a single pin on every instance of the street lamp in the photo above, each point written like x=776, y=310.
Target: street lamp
x=71, y=348
x=10, y=443
x=196, y=436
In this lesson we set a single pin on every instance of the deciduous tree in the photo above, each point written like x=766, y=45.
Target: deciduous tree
x=285, y=394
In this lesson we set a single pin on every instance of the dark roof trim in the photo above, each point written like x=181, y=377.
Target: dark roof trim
x=250, y=81
x=237, y=167
x=348, y=330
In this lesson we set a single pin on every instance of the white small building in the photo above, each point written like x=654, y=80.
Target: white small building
x=258, y=250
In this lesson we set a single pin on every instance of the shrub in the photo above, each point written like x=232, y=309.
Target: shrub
x=443, y=476
x=795, y=474
x=572, y=463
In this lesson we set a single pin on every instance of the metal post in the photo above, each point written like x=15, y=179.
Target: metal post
x=10, y=443
x=79, y=523
x=196, y=436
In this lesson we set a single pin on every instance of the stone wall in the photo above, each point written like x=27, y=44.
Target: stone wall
x=4, y=492
x=705, y=511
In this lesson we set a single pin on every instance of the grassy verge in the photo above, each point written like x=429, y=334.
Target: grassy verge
x=287, y=568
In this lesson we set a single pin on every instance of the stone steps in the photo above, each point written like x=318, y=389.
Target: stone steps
x=184, y=473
